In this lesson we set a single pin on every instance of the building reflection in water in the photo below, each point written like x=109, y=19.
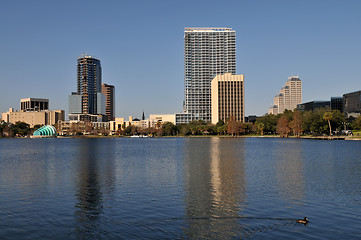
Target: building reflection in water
x=215, y=187
x=290, y=170
x=95, y=180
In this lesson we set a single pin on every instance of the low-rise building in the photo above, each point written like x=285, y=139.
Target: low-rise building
x=310, y=106
x=337, y=103
x=47, y=117
x=69, y=128
x=34, y=111
x=34, y=104
x=352, y=104
x=87, y=117
x=161, y=118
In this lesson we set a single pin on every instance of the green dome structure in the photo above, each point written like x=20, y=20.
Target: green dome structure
x=45, y=131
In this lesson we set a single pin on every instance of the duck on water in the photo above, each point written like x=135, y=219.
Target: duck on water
x=303, y=221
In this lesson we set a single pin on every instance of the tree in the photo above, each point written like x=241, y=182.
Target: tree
x=2, y=128
x=260, y=127
x=313, y=121
x=220, y=127
x=159, y=128
x=168, y=128
x=269, y=122
x=233, y=128
x=128, y=130
x=337, y=119
x=242, y=128
x=184, y=129
x=197, y=127
x=20, y=129
x=328, y=116
x=357, y=123
x=88, y=128
x=282, y=126
x=296, y=123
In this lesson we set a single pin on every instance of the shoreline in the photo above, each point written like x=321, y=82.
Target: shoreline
x=345, y=138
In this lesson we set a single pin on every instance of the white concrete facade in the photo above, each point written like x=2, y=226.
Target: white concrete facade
x=207, y=53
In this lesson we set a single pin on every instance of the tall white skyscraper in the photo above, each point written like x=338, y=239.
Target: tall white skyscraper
x=290, y=95
x=207, y=52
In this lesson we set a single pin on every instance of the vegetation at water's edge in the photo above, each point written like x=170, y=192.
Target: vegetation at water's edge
x=20, y=129
x=290, y=123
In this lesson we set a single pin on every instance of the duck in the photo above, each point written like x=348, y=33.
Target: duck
x=304, y=220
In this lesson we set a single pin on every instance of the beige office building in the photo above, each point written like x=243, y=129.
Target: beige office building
x=34, y=111
x=289, y=96
x=227, y=94
x=47, y=117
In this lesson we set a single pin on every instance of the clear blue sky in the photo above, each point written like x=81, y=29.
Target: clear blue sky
x=140, y=45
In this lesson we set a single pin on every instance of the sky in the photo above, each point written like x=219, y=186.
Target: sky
x=140, y=46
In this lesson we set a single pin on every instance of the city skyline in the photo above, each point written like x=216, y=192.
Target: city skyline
x=141, y=49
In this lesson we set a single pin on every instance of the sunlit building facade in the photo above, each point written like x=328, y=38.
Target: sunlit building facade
x=108, y=92
x=88, y=99
x=227, y=98
x=207, y=52
x=289, y=96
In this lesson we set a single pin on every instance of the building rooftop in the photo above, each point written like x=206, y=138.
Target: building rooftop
x=294, y=78
x=207, y=29
x=84, y=55
x=34, y=99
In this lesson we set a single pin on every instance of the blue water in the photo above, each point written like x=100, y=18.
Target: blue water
x=179, y=188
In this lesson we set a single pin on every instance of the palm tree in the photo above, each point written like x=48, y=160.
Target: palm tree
x=328, y=116
x=260, y=127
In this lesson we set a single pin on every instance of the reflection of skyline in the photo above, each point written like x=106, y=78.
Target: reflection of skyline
x=289, y=170
x=95, y=172
x=215, y=187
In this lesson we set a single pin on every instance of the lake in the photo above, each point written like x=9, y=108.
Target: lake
x=179, y=188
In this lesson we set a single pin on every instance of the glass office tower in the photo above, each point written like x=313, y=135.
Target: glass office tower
x=207, y=53
x=89, y=77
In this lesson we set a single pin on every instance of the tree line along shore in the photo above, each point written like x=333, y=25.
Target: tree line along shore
x=320, y=122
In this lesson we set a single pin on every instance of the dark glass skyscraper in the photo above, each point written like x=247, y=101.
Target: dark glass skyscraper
x=89, y=76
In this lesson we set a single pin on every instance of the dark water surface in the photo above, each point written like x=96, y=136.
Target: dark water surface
x=179, y=188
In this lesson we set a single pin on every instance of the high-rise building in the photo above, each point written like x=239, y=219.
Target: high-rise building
x=289, y=96
x=227, y=97
x=207, y=53
x=89, y=79
x=108, y=92
x=88, y=99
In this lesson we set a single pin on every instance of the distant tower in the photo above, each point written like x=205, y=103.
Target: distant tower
x=89, y=78
x=289, y=96
x=108, y=91
x=143, y=117
x=207, y=53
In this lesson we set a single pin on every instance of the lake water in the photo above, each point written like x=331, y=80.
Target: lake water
x=179, y=188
